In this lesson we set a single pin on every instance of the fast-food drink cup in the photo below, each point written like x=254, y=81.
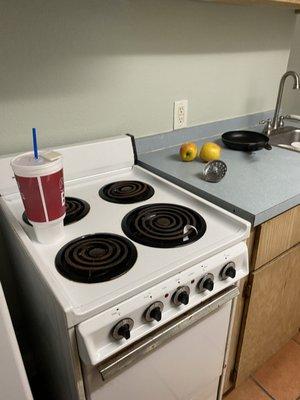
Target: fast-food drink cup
x=41, y=185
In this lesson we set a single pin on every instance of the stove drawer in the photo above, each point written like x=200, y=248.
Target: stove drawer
x=182, y=360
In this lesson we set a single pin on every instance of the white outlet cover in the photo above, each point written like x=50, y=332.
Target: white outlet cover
x=180, y=114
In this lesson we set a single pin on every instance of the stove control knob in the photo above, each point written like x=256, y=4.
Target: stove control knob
x=153, y=312
x=206, y=283
x=181, y=296
x=228, y=271
x=122, y=329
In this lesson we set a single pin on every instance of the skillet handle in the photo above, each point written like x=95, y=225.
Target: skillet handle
x=268, y=146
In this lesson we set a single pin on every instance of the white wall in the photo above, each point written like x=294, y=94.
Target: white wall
x=82, y=69
x=291, y=102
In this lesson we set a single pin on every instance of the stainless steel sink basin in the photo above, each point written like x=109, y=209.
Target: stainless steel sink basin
x=285, y=137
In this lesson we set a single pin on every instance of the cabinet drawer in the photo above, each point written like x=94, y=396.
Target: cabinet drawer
x=276, y=236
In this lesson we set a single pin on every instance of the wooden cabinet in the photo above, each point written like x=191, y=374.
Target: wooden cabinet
x=276, y=236
x=268, y=313
x=273, y=315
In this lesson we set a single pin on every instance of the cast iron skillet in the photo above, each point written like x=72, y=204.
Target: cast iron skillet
x=246, y=140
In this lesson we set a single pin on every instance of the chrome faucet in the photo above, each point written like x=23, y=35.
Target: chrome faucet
x=277, y=120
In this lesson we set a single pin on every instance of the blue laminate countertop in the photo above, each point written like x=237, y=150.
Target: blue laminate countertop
x=257, y=187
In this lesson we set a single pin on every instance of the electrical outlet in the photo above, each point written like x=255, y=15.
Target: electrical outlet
x=180, y=114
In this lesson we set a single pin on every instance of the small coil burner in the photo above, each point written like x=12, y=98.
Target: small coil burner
x=163, y=225
x=76, y=209
x=126, y=192
x=96, y=258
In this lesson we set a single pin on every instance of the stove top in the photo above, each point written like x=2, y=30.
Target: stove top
x=164, y=225
x=146, y=265
x=76, y=209
x=126, y=192
x=96, y=258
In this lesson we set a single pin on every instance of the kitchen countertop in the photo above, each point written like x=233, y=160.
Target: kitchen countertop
x=258, y=186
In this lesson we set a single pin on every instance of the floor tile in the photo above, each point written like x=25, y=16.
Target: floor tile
x=247, y=391
x=280, y=375
x=297, y=338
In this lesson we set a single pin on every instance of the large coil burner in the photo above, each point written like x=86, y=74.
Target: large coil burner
x=96, y=258
x=163, y=225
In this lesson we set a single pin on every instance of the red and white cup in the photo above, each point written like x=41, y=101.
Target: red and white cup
x=41, y=185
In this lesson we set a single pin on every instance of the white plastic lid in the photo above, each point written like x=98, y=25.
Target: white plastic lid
x=26, y=165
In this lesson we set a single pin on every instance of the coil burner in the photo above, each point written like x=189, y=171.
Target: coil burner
x=163, y=225
x=126, y=192
x=96, y=258
x=76, y=209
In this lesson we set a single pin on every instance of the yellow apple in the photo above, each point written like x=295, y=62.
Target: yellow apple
x=188, y=151
x=210, y=151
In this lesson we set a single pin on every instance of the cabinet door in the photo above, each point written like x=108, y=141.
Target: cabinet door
x=273, y=315
x=276, y=236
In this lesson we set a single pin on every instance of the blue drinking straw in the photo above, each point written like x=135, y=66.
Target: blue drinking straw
x=35, y=146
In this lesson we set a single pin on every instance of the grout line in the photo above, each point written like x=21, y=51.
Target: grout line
x=299, y=345
x=262, y=388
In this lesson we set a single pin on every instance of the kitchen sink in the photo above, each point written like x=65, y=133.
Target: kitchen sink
x=284, y=137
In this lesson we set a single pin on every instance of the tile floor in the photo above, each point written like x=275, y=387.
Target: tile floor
x=277, y=379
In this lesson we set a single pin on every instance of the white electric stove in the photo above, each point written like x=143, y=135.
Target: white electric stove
x=143, y=279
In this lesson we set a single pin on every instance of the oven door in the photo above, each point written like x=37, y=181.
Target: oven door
x=182, y=360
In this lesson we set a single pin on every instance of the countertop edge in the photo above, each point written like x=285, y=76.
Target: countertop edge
x=276, y=210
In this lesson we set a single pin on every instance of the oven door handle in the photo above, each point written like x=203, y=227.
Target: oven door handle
x=127, y=357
